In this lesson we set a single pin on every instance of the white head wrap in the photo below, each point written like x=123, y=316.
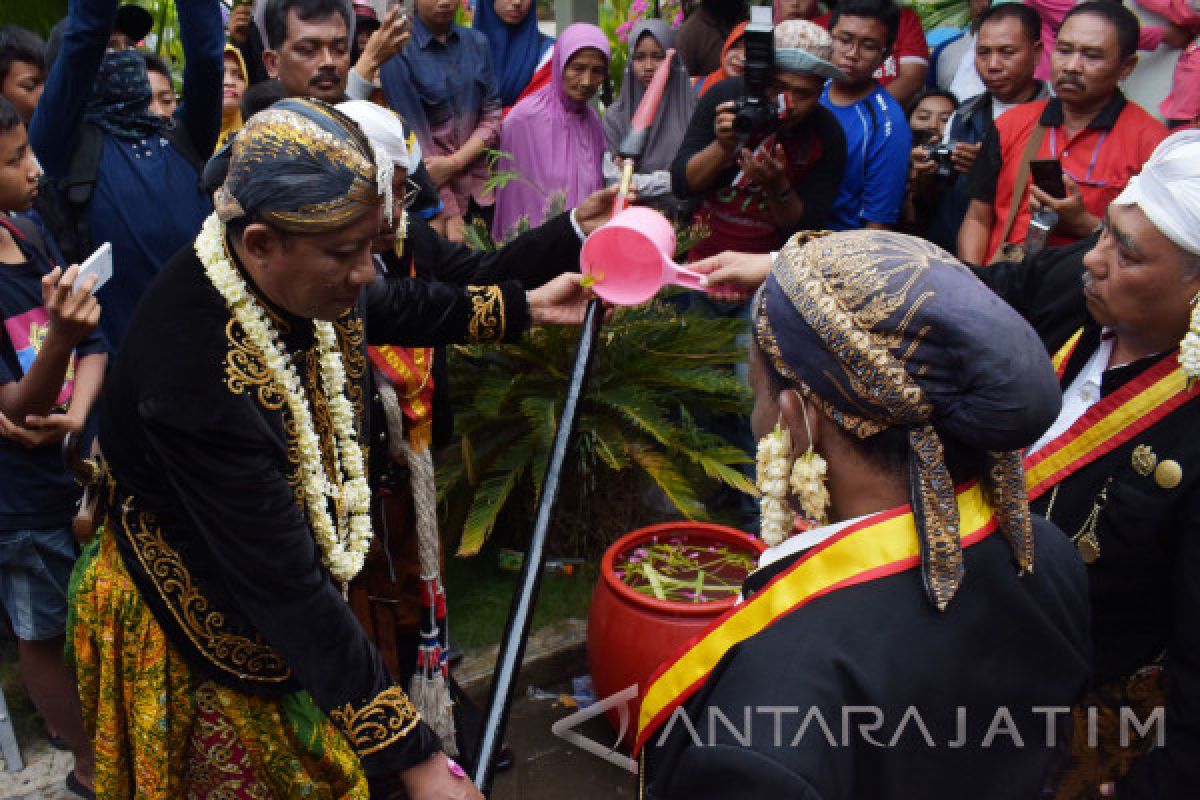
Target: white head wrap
x=386, y=131
x=1168, y=189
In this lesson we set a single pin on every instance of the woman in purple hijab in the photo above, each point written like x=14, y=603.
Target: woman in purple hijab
x=554, y=138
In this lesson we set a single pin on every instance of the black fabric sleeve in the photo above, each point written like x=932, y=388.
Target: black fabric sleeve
x=985, y=172
x=700, y=134
x=820, y=186
x=413, y=312
x=532, y=259
x=220, y=459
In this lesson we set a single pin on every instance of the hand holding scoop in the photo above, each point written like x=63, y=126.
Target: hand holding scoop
x=630, y=258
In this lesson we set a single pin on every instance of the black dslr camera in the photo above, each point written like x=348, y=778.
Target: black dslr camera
x=756, y=112
x=939, y=153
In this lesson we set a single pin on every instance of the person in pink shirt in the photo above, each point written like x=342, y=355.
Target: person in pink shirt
x=1182, y=105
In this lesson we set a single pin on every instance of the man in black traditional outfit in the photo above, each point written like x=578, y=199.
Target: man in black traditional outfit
x=1119, y=471
x=927, y=642
x=212, y=639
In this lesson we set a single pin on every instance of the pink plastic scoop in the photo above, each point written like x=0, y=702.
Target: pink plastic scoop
x=631, y=258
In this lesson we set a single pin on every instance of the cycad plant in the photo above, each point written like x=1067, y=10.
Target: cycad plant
x=655, y=373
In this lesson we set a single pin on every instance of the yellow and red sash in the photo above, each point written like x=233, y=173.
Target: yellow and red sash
x=410, y=369
x=883, y=544
x=1108, y=424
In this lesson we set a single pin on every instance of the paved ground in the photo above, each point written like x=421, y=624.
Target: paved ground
x=548, y=768
x=42, y=779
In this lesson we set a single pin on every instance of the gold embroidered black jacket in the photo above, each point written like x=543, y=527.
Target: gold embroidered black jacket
x=1145, y=584
x=208, y=511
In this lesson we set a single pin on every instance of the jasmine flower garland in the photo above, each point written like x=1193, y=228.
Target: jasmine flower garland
x=343, y=542
x=1189, y=348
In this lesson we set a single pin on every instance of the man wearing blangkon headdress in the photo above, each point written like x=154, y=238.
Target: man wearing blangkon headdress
x=213, y=643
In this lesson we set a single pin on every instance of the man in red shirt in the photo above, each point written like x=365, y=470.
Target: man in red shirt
x=902, y=73
x=1099, y=138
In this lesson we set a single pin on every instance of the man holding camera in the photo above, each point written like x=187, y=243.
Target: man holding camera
x=1064, y=159
x=760, y=150
x=877, y=136
x=1008, y=46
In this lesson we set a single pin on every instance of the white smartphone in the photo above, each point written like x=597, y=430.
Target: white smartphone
x=100, y=264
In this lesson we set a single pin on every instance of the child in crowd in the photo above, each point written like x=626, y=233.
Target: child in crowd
x=51, y=367
x=22, y=69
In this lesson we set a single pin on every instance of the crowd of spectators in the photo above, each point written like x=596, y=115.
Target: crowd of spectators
x=1018, y=124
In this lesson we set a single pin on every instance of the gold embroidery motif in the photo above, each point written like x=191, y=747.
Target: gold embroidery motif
x=487, y=314
x=350, y=335
x=249, y=659
x=379, y=724
x=246, y=369
x=842, y=287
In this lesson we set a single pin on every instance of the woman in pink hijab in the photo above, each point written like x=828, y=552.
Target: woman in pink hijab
x=554, y=138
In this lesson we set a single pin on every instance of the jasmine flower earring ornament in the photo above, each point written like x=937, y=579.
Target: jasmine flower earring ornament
x=778, y=471
x=774, y=466
x=1189, y=348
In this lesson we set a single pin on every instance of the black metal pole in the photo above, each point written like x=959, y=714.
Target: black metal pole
x=512, y=647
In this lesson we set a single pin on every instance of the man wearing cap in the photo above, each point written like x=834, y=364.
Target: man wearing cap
x=879, y=653
x=1119, y=470
x=215, y=651
x=757, y=192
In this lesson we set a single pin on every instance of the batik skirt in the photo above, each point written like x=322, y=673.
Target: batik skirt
x=161, y=731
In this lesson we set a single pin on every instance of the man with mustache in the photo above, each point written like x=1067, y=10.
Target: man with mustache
x=1005, y=52
x=1099, y=138
x=308, y=51
x=1118, y=470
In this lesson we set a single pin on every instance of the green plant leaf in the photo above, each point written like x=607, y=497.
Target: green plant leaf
x=491, y=496
x=673, y=483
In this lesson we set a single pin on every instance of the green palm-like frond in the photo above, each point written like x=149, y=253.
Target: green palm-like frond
x=491, y=495
x=655, y=371
x=674, y=484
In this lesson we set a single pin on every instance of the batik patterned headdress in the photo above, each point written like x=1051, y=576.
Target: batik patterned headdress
x=301, y=166
x=883, y=330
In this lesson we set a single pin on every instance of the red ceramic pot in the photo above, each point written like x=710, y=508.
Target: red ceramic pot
x=630, y=634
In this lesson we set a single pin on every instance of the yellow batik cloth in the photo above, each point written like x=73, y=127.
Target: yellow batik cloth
x=161, y=731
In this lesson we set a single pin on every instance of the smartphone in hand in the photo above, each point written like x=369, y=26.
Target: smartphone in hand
x=1047, y=175
x=100, y=264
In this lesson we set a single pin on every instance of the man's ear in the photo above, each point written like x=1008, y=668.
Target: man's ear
x=800, y=418
x=1128, y=65
x=259, y=243
x=270, y=59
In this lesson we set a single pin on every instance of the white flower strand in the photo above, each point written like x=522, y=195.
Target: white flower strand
x=1189, y=348
x=774, y=462
x=343, y=542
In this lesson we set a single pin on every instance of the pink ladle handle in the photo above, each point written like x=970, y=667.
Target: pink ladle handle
x=688, y=279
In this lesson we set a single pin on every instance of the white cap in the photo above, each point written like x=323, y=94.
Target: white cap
x=1167, y=190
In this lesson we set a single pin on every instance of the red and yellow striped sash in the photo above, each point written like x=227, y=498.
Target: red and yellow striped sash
x=410, y=369
x=881, y=545
x=1108, y=424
